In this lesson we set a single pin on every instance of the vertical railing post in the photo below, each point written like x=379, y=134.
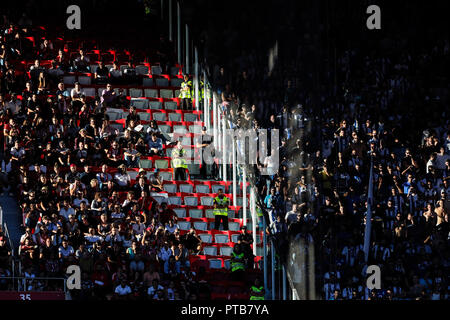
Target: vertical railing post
x=179, y=33
x=368, y=229
x=272, y=267
x=215, y=133
x=266, y=286
x=170, y=19
x=196, y=81
x=254, y=218
x=206, y=113
x=284, y=282
x=187, y=51
x=224, y=145
x=234, y=168
x=244, y=191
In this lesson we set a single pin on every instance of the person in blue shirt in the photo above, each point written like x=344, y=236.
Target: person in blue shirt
x=155, y=146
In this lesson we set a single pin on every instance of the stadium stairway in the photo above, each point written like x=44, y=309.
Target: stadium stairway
x=10, y=218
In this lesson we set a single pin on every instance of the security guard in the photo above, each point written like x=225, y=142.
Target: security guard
x=257, y=291
x=237, y=263
x=221, y=203
x=186, y=93
x=179, y=162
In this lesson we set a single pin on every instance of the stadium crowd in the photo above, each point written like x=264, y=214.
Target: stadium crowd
x=67, y=167
x=388, y=111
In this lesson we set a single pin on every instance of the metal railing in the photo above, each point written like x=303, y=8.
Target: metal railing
x=4, y=226
x=23, y=283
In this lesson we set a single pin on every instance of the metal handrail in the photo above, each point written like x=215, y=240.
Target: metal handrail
x=21, y=281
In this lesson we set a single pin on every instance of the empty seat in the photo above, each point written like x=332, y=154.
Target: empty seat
x=238, y=189
x=202, y=188
x=187, y=188
x=174, y=116
x=215, y=263
x=133, y=174
x=206, y=237
x=114, y=115
x=164, y=128
x=166, y=175
x=184, y=225
x=179, y=129
x=166, y=93
x=191, y=201
x=151, y=93
x=135, y=93
x=89, y=92
x=193, y=168
x=207, y=201
x=176, y=82
x=156, y=105
x=147, y=82
x=195, y=128
x=162, y=82
x=211, y=251
x=144, y=116
x=145, y=163
x=175, y=200
x=180, y=212
x=84, y=80
x=139, y=103
x=190, y=117
x=234, y=238
x=159, y=116
x=69, y=79
x=170, y=188
x=196, y=213
x=186, y=141
x=201, y=225
x=117, y=126
x=240, y=202
x=170, y=105
x=259, y=251
x=226, y=251
x=209, y=213
x=161, y=164
x=159, y=199
x=221, y=238
x=217, y=187
x=141, y=69
x=174, y=71
x=156, y=70
x=233, y=226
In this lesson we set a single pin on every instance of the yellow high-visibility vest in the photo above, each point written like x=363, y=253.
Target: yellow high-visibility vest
x=221, y=211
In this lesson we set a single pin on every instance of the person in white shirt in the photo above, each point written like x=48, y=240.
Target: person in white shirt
x=91, y=237
x=123, y=290
x=65, y=250
x=154, y=288
x=165, y=252
x=76, y=92
x=291, y=216
x=66, y=210
x=122, y=178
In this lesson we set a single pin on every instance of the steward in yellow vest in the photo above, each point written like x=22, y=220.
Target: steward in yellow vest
x=221, y=203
